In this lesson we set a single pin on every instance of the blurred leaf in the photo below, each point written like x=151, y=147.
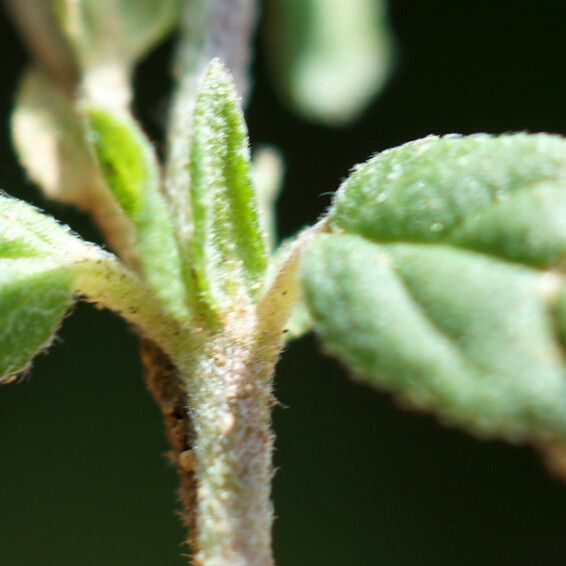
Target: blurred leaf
x=228, y=247
x=444, y=280
x=268, y=172
x=129, y=166
x=103, y=32
x=38, y=23
x=49, y=138
x=109, y=37
x=330, y=57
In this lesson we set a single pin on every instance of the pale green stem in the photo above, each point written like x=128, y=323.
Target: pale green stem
x=230, y=399
x=106, y=282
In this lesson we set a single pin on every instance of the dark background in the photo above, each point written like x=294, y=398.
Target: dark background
x=359, y=482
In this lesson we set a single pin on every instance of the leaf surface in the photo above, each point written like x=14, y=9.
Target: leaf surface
x=129, y=167
x=35, y=282
x=227, y=248
x=444, y=280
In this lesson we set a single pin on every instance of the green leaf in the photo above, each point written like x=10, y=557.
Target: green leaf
x=35, y=282
x=43, y=267
x=444, y=280
x=129, y=166
x=27, y=233
x=331, y=57
x=227, y=247
x=34, y=297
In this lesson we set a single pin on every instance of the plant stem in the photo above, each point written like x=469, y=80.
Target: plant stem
x=105, y=281
x=229, y=389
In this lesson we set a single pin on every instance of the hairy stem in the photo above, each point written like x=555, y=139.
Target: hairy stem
x=229, y=387
x=107, y=283
x=230, y=398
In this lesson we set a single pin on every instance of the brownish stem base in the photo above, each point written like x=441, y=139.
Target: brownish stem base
x=168, y=391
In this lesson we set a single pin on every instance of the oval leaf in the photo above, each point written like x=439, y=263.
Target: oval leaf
x=444, y=280
x=43, y=266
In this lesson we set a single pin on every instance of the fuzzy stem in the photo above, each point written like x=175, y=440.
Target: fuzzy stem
x=106, y=282
x=230, y=399
x=229, y=389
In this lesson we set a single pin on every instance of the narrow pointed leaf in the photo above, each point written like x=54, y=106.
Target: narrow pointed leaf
x=330, y=57
x=129, y=166
x=227, y=248
x=207, y=30
x=444, y=280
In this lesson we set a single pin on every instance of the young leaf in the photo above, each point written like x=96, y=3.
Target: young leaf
x=331, y=57
x=208, y=30
x=227, y=248
x=129, y=166
x=444, y=280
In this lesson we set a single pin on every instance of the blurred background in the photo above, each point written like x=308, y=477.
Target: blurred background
x=83, y=480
